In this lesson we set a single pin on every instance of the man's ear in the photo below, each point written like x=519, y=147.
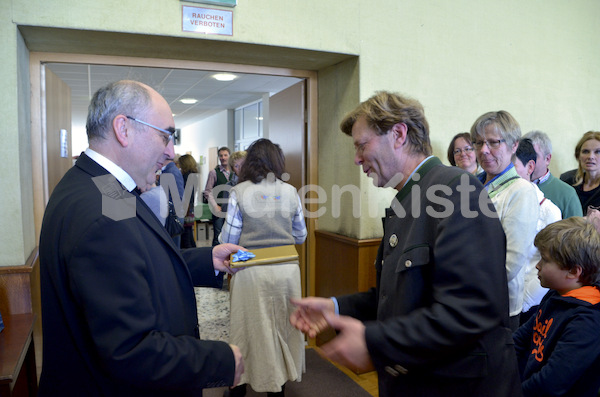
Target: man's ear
x=530, y=167
x=119, y=125
x=575, y=272
x=400, y=134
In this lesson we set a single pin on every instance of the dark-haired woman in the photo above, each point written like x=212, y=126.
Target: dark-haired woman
x=188, y=166
x=264, y=211
x=461, y=153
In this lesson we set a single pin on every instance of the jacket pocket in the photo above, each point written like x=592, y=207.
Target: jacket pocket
x=415, y=256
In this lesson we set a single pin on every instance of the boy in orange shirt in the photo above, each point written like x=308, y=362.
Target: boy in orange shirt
x=559, y=348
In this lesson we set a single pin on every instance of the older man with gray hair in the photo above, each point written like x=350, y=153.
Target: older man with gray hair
x=559, y=192
x=118, y=303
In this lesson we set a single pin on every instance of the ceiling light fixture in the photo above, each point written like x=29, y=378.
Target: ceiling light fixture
x=188, y=101
x=224, y=76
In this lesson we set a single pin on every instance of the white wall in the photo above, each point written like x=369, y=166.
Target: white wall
x=196, y=139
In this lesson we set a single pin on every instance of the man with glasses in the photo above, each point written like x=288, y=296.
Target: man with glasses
x=118, y=304
x=495, y=136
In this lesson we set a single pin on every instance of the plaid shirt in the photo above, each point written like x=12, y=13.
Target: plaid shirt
x=232, y=229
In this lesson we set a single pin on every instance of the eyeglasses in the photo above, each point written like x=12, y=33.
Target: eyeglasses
x=467, y=150
x=492, y=143
x=170, y=131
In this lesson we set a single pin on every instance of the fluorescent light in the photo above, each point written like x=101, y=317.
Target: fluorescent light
x=224, y=76
x=188, y=101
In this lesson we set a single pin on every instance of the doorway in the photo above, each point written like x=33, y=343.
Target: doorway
x=39, y=135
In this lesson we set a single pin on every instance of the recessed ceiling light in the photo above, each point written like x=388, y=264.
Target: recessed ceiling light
x=224, y=76
x=188, y=101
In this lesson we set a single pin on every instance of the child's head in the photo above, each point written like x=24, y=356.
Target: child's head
x=570, y=243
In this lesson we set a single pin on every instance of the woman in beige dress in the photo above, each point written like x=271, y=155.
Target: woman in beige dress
x=263, y=211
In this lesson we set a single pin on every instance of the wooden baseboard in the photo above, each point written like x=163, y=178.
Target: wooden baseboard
x=20, y=294
x=343, y=265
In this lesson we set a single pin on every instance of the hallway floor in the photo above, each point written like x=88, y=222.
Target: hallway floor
x=213, y=318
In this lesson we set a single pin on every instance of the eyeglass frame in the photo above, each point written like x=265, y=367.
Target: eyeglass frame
x=468, y=149
x=170, y=132
x=492, y=143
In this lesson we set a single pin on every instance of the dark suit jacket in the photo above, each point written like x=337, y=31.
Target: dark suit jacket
x=441, y=302
x=118, y=304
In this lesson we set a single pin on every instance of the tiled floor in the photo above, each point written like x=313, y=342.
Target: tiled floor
x=212, y=304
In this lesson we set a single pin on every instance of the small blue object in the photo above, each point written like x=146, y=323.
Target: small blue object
x=242, y=256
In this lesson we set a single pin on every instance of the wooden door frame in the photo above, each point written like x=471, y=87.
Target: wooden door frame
x=38, y=136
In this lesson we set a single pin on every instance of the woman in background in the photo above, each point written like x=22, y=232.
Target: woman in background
x=188, y=166
x=587, y=176
x=461, y=153
x=236, y=160
x=263, y=211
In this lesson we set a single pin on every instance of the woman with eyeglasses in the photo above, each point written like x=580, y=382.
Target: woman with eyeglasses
x=461, y=153
x=587, y=176
x=495, y=137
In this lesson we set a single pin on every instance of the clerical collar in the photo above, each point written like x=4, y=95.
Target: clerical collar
x=116, y=171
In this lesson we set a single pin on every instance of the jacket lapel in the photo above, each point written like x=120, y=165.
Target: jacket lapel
x=144, y=214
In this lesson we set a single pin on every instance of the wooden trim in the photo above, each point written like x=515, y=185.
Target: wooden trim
x=344, y=264
x=16, y=286
x=26, y=268
x=312, y=168
x=17, y=362
x=350, y=240
x=44, y=57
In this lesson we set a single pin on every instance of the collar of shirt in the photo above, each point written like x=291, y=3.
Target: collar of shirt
x=116, y=171
x=416, y=169
x=543, y=178
x=483, y=176
x=421, y=169
x=224, y=170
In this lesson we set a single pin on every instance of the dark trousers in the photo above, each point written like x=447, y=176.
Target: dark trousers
x=187, y=237
x=217, y=226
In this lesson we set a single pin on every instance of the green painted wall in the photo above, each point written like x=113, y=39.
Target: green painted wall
x=535, y=58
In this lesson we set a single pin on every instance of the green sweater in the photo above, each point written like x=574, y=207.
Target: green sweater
x=563, y=195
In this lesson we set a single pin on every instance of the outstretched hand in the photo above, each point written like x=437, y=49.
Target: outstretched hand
x=220, y=254
x=309, y=315
x=349, y=347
